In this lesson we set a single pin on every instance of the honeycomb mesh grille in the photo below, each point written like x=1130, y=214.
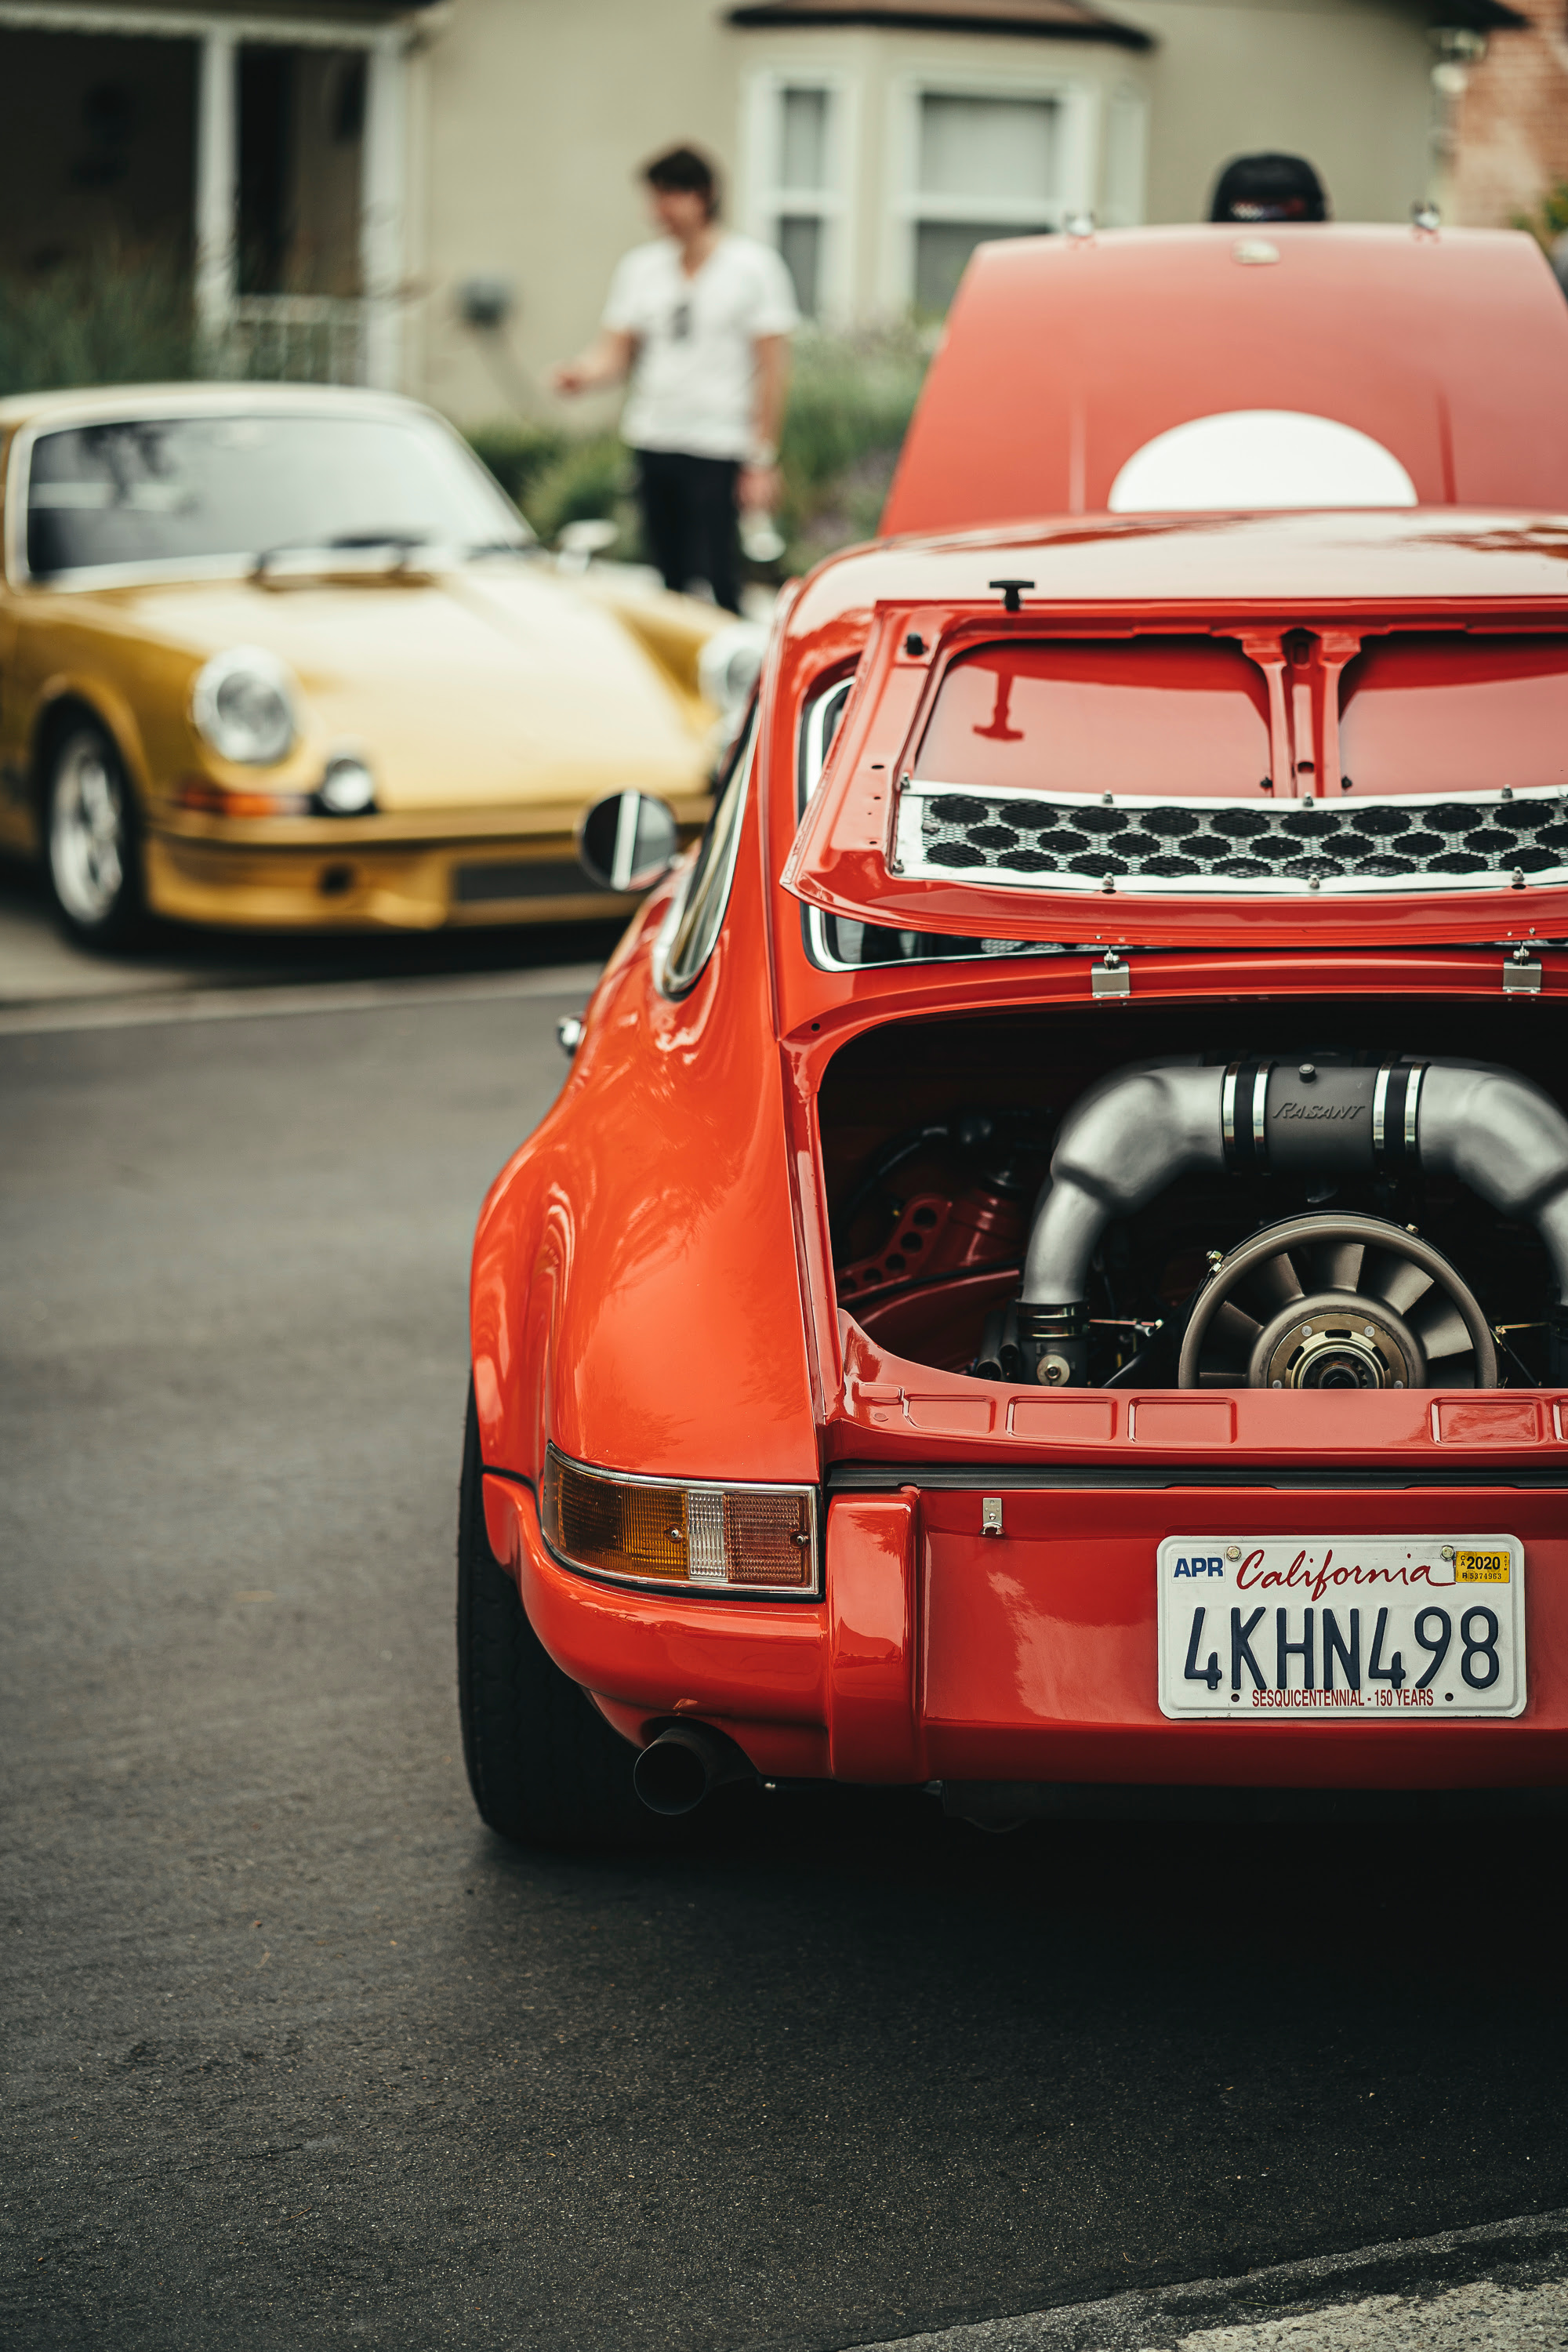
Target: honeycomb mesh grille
x=1046, y=842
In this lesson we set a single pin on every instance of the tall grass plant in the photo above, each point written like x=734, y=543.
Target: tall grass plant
x=116, y=318
x=850, y=403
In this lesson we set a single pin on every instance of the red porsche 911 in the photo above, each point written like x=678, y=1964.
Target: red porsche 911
x=1050, y=1272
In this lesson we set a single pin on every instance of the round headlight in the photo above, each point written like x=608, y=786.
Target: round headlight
x=243, y=703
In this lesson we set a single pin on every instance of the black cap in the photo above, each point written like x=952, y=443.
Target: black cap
x=1269, y=188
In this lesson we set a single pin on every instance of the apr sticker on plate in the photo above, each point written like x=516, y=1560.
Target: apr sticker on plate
x=1341, y=1629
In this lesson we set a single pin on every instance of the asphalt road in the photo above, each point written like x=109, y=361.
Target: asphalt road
x=297, y=2055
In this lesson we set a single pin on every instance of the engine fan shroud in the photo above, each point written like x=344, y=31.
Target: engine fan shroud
x=1336, y=1301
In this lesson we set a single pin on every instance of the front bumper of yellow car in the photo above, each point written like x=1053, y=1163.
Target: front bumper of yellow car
x=353, y=875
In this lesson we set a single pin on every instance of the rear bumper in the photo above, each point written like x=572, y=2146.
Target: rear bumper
x=942, y=1654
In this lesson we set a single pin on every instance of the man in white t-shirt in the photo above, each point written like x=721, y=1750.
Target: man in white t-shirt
x=700, y=321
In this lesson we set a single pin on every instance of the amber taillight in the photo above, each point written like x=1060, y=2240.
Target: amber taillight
x=749, y=1539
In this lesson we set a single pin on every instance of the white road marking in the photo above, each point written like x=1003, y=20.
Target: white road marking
x=326, y=996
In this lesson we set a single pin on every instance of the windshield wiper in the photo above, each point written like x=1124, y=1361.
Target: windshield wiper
x=404, y=539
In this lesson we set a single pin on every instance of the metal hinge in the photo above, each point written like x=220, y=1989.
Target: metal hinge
x=1111, y=977
x=1521, y=974
x=990, y=1515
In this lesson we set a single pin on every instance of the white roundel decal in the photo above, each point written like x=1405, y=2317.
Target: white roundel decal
x=1252, y=458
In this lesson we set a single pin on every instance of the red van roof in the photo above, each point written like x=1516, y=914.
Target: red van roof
x=1063, y=356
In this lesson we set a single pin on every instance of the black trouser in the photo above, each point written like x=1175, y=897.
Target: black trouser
x=690, y=520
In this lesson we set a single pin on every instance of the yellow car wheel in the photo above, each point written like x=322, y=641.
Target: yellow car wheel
x=91, y=849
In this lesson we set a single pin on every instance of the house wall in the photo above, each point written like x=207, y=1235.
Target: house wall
x=1346, y=85
x=541, y=190
x=531, y=120
x=536, y=117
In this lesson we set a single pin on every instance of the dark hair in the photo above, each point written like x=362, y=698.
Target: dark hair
x=1269, y=188
x=684, y=171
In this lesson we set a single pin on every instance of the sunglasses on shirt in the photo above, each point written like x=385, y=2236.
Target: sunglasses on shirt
x=680, y=323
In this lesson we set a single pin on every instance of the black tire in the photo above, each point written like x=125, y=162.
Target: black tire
x=92, y=835
x=545, y=1766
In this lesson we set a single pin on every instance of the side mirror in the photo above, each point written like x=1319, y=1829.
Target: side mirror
x=627, y=842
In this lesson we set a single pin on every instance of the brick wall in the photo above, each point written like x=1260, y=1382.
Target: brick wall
x=1512, y=122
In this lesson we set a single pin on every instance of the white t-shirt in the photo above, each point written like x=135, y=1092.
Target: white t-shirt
x=693, y=377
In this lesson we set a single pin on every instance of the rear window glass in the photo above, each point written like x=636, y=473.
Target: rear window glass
x=1445, y=713
x=1182, y=715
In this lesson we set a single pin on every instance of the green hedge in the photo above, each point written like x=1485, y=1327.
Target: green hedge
x=850, y=403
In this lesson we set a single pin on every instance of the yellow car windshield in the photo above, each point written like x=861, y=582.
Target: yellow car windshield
x=167, y=489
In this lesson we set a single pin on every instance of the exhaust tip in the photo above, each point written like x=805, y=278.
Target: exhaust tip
x=683, y=1765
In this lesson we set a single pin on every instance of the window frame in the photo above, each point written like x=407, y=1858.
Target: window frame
x=711, y=871
x=1079, y=99
x=769, y=203
x=1125, y=158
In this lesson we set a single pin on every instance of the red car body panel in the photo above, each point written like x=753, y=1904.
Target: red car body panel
x=653, y=1284
x=1064, y=355
x=1225, y=576
x=684, y=1223
x=942, y=1655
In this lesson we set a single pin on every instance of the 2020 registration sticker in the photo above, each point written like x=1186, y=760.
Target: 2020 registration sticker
x=1380, y=1629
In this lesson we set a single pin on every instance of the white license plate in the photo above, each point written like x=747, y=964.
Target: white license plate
x=1341, y=1629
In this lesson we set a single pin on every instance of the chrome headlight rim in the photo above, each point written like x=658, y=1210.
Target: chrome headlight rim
x=229, y=737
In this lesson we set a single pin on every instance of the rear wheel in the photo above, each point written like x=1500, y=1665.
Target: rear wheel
x=90, y=843
x=545, y=1766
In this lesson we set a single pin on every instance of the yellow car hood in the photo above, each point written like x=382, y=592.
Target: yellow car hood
x=496, y=684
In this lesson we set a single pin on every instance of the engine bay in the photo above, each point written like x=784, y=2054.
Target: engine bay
x=1303, y=1195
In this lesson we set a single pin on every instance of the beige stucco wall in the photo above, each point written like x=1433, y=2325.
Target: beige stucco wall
x=532, y=118
x=528, y=119
x=536, y=115
x=1345, y=84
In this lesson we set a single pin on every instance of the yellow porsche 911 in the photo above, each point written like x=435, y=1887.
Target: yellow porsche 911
x=286, y=656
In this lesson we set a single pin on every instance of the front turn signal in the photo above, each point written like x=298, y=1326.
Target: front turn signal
x=207, y=799
x=668, y=1531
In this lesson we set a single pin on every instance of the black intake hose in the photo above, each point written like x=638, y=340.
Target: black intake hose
x=1141, y=1128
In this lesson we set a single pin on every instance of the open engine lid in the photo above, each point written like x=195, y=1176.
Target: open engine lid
x=1249, y=771
x=1406, y=366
